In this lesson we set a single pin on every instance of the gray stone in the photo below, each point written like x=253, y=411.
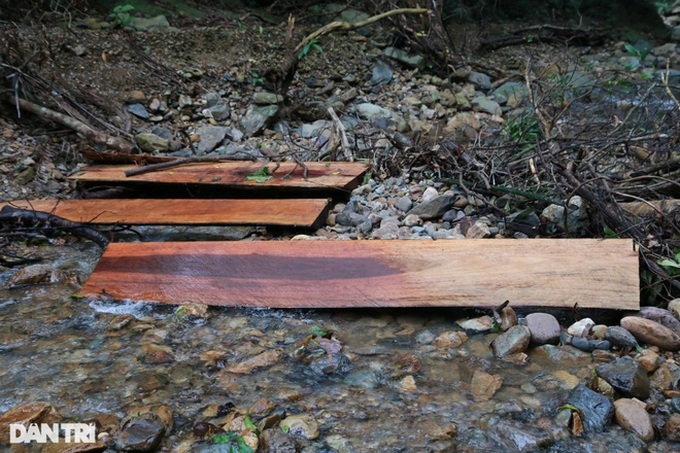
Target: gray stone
x=144, y=24
x=480, y=80
x=382, y=73
x=143, y=433
x=510, y=93
x=515, y=340
x=211, y=137
x=486, y=105
x=481, y=324
x=631, y=415
x=403, y=203
x=412, y=61
x=651, y=332
x=544, y=328
x=349, y=218
x=561, y=355
x=220, y=112
x=353, y=16
x=626, y=376
x=212, y=99
x=264, y=98
x=139, y=111
x=618, y=336
x=256, y=118
x=581, y=328
x=434, y=208
x=596, y=410
x=367, y=111
x=301, y=425
x=555, y=214
x=313, y=129
x=517, y=436
x=274, y=440
x=674, y=308
x=675, y=34
x=151, y=143
x=660, y=315
x=184, y=101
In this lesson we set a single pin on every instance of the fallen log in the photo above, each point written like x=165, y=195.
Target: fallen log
x=26, y=219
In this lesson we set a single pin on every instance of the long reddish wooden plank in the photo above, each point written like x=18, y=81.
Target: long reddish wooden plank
x=320, y=175
x=312, y=274
x=308, y=212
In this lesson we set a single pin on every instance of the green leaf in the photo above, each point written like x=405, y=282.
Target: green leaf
x=669, y=263
x=319, y=331
x=262, y=175
x=609, y=233
x=235, y=442
x=570, y=407
x=249, y=424
x=285, y=429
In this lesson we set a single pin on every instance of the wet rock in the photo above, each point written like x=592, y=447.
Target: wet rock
x=276, y=441
x=25, y=414
x=666, y=377
x=349, y=218
x=407, y=384
x=256, y=118
x=327, y=364
x=72, y=447
x=139, y=111
x=544, y=328
x=584, y=344
x=158, y=354
x=517, y=436
x=649, y=360
x=211, y=137
x=581, y=328
x=142, y=433
x=618, y=336
x=561, y=355
x=425, y=337
x=660, y=315
x=602, y=387
x=626, y=376
x=434, y=208
x=476, y=325
x=412, y=61
x=597, y=410
x=484, y=385
x=651, y=332
x=508, y=318
x=36, y=274
x=450, y=339
x=301, y=425
x=264, y=359
x=151, y=143
x=516, y=339
x=672, y=428
x=632, y=416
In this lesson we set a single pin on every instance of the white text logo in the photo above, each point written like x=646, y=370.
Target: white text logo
x=41, y=433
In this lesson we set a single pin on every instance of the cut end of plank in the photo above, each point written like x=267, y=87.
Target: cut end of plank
x=587, y=273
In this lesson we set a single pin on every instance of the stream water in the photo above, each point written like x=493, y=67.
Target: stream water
x=392, y=388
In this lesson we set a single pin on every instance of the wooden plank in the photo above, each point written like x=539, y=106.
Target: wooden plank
x=400, y=273
x=306, y=213
x=321, y=175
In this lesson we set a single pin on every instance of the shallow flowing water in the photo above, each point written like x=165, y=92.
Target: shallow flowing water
x=391, y=388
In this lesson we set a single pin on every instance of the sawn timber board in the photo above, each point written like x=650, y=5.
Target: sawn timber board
x=320, y=175
x=590, y=273
x=305, y=213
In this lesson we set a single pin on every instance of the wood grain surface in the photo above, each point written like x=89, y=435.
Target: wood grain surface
x=401, y=273
x=306, y=213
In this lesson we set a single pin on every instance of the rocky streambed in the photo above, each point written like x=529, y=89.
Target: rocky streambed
x=158, y=377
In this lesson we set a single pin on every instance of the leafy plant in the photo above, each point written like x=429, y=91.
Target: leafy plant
x=319, y=331
x=233, y=441
x=261, y=176
x=641, y=54
x=311, y=44
x=672, y=266
x=257, y=78
x=121, y=15
x=522, y=130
